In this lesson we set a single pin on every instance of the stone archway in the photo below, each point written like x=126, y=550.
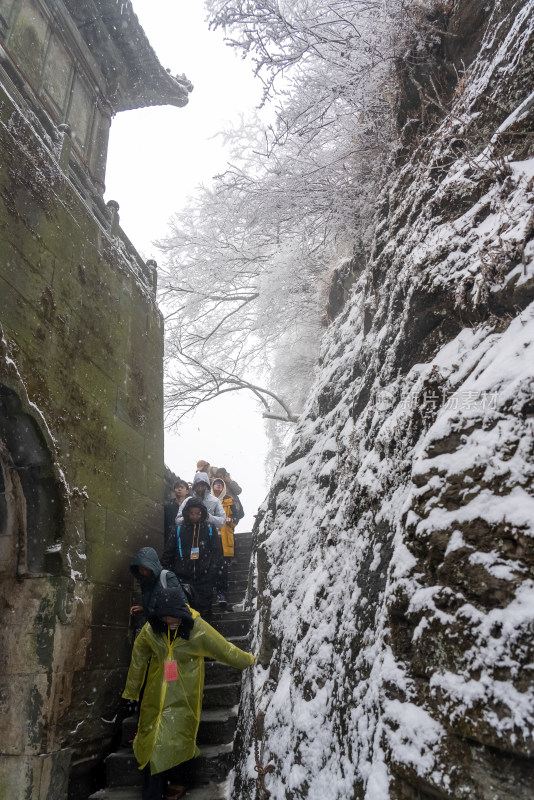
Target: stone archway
x=33, y=684
x=12, y=517
x=30, y=507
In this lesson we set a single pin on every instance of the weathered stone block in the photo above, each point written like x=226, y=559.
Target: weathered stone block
x=95, y=522
x=23, y=696
x=128, y=439
x=104, y=564
x=135, y=474
x=109, y=647
x=111, y=608
x=41, y=777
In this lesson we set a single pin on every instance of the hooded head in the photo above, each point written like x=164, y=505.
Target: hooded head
x=222, y=493
x=200, y=479
x=146, y=559
x=170, y=604
x=195, y=503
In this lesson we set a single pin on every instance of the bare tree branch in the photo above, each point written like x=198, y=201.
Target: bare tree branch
x=248, y=262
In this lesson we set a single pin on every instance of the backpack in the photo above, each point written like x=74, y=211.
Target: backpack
x=239, y=510
x=163, y=577
x=189, y=591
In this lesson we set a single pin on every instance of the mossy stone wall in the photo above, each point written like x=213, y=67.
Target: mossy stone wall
x=81, y=346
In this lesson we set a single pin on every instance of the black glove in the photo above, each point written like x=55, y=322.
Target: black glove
x=127, y=708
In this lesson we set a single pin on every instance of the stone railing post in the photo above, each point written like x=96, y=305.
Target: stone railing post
x=65, y=146
x=153, y=270
x=114, y=213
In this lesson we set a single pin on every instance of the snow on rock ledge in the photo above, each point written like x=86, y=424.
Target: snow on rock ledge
x=395, y=551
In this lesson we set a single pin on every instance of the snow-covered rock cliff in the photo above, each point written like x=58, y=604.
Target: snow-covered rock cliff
x=395, y=552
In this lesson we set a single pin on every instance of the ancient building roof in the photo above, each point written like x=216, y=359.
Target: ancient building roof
x=134, y=76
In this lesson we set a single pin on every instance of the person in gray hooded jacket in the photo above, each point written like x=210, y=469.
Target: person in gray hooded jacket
x=201, y=490
x=147, y=569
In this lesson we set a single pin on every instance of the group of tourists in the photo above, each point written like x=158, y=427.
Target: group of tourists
x=199, y=535
x=177, y=593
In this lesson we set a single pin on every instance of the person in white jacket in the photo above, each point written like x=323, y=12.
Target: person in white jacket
x=201, y=490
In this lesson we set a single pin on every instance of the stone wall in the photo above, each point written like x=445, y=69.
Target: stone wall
x=81, y=432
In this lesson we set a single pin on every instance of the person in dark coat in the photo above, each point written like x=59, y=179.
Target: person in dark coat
x=146, y=568
x=194, y=553
x=181, y=491
x=201, y=491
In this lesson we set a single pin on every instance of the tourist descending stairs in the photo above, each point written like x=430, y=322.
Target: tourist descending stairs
x=219, y=713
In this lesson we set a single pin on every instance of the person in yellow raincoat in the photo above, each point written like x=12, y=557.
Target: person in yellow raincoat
x=172, y=645
x=218, y=489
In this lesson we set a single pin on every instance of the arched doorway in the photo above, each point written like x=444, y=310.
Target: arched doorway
x=30, y=506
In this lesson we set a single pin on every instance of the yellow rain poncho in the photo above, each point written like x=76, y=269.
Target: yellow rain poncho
x=227, y=530
x=170, y=711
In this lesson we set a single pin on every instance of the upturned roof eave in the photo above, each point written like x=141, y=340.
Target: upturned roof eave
x=113, y=33
x=169, y=91
x=150, y=84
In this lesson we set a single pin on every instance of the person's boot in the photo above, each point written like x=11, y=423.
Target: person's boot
x=174, y=791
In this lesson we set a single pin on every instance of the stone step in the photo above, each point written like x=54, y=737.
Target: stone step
x=117, y=793
x=219, y=673
x=236, y=605
x=209, y=791
x=240, y=565
x=128, y=730
x=242, y=552
x=212, y=791
x=221, y=695
x=213, y=763
x=239, y=570
x=236, y=595
x=217, y=726
x=241, y=641
x=218, y=615
x=237, y=586
x=241, y=558
x=242, y=555
x=122, y=769
x=232, y=624
x=237, y=576
x=242, y=544
x=245, y=536
x=221, y=612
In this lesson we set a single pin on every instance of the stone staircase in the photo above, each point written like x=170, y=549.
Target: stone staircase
x=222, y=690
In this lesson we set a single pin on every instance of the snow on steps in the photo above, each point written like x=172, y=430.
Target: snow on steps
x=212, y=764
x=211, y=791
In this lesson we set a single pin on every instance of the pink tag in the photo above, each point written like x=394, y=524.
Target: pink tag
x=171, y=671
